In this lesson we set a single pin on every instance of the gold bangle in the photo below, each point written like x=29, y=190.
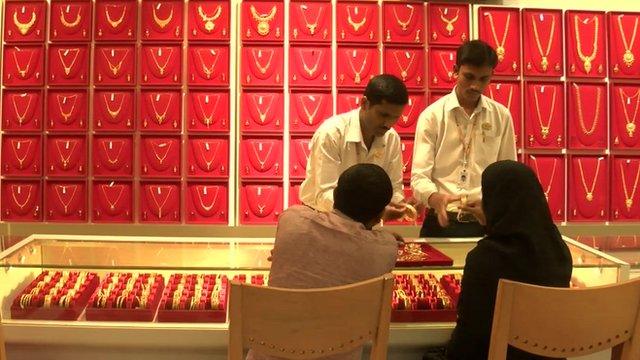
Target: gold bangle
x=47, y=301
x=176, y=302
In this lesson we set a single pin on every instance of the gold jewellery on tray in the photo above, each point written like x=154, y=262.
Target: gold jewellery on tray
x=628, y=58
x=545, y=129
x=500, y=49
x=586, y=60
x=263, y=20
x=544, y=61
x=589, y=191
x=73, y=23
x=581, y=114
x=209, y=20
x=24, y=27
x=114, y=23
x=628, y=202
x=631, y=121
x=162, y=23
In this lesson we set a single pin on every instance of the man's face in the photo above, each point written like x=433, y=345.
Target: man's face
x=472, y=80
x=381, y=117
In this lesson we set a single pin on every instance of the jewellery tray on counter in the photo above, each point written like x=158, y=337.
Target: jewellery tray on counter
x=121, y=314
x=438, y=315
x=433, y=258
x=194, y=316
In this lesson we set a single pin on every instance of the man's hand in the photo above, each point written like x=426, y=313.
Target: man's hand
x=475, y=209
x=394, y=211
x=438, y=202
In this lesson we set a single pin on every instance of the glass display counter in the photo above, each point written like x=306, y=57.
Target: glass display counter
x=84, y=270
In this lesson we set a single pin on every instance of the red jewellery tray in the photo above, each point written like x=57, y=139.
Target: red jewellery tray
x=446, y=287
x=429, y=257
x=206, y=315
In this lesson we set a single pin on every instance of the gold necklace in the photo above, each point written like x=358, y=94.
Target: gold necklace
x=589, y=192
x=160, y=116
x=310, y=115
x=106, y=151
x=500, y=50
x=263, y=206
x=628, y=58
x=631, y=122
x=209, y=23
x=403, y=24
x=158, y=189
x=16, y=145
x=208, y=71
x=162, y=23
x=113, y=113
x=116, y=23
x=553, y=174
x=405, y=118
x=586, y=60
x=509, y=98
x=162, y=68
x=24, y=27
x=629, y=199
x=263, y=19
x=73, y=23
x=262, y=115
x=204, y=147
x=311, y=26
x=357, y=74
x=310, y=70
x=115, y=69
x=404, y=72
x=22, y=117
x=262, y=69
x=445, y=67
x=66, y=115
x=544, y=130
x=155, y=146
x=15, y=198
x=581, y=115
x=544, y=61
x=356, y=25
x=67, y=159
x=21, y=71
x=215, y=198
x=67, y=69
x=449, y=27
x=266, y=158
x=64, y=190
x=208, y=120
x=112, y=205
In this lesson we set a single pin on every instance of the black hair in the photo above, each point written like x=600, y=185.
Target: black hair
x=386, y=87
x=476, y=53
x=363, y=191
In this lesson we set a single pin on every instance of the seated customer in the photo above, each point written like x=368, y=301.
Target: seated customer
x=316, y=249
x=522, y=244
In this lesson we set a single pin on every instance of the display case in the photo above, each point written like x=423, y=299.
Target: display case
x=153, y=269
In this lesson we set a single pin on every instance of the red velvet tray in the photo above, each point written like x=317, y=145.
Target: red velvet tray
x=432, y=257
x=433, y=315
x=120, y=314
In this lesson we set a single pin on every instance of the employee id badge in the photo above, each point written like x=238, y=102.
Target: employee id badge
x=463, y=179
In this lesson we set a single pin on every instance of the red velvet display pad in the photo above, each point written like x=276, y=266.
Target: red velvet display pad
x=116, y=20
x=262, y=21
x=357, y=22
x=68, y=65
x=542, y=34
x=348, y=100
x=162, y=20
x=406, y=147
x=435, y=96
x=432, y=257
x=112, y=313
x=208, y=156
x=294, y=194
x=509, y=94
x=115, y=65
x=441, y=64
x=500, y=28
x=544, y=115
x=160, y=111
x=422, y=311
x=24, y=21
x=587, y=115
x=112, y=156
x=448, y=23
x=207, y=203
x=625, y=116
x=299, y=155
x=22, y=155
x=55, y=312
x=208, y=65
x=112, y=201
x=407, y=64
x=406, y=125
x=208, y=111
x=209, y=20
x=160, y=156
x=261, y=158
x=587, y=27
x=65, y=201
x=310, y=22
x=23, y=65
x=356, y=66
x=70, y=21
x=624, y=243
x=551, y=171
x=167, y=314
x=113, y=110
x=260, y=203
x=593, y=179
x=624, y=58
x=160, y=202
x=22, y=110
x=161, y=65
x=21, y=200
x=67, y=110
x=307, y=110
x=262, y=66
x=625, y=199
x=261, y=112
x=66, y=156
x=403, y=22
x=310, y=67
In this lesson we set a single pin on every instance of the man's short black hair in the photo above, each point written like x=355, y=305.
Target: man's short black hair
x=476, y=53
x=362, y=193
x=387, y=88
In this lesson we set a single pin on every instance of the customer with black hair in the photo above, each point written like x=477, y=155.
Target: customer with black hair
x=363, y=135
x=456, y=138
x=315, y=249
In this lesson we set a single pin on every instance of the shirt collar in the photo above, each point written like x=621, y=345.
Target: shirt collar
x=354, y=133
x=453, y=103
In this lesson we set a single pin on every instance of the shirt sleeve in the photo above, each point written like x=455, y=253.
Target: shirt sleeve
x=508, y=142
x=324, y=168
x=395, y=168
x=424, y=152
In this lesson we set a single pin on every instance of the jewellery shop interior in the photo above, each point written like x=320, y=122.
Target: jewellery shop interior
x=162, y=139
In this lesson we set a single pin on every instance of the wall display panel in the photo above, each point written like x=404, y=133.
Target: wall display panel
x=551, y=173
x=509, y=94
x=70, y=21
x=206, y=203
x=357, y=22
x=22, y=155
x=625, y=102
x=308, y=110
x=625, y=200
x=294, y=194
x=208, y=111
x=261, y=158
x=160, y=111
x=310, y=21
x=22, y=110
x=356, y=66
x=310, y=67
x=65, y=201
x=500, y=27
x=161, y=65
x=587, y=115
x=160, y=202
x=208, y=157
x=623, y=30
x=113, y=110
x=160, y=156
x=209, y=20
x=67, y=110
x=441, y=64
x=299, y=151
x=348, y=100
x=23, y=65
x=586, y=44
x=404, y=22
x=112, y=156
x=21, y=200
x=588, y=185
x=66, y=156
x=68, y=65
x=112, y=201
x=407, y=64
x=406, y=147
x=262, y=21
x=114, y=65
x=434, y=96
x=262, y=66
x=448, y=23
x=162, y=20
x=260, y=203
x=208, y=66
x=262, y=112
x=542, y=32
x=25, y=21
x=406, y=125
x=116, y=20
x=544, y=115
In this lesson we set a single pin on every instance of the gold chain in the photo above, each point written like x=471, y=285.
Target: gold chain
x=215, y=198
x=64, y=190
x=263, y=115
x=160, y=116
x=357, y=75
x=310, y=115
x=15, y=145
x=262, y=69
x=208, y=120
x=628, y=58
x=24, y=27
x=544, y=130
x=203, y=149
x=449, y=27
x=21, y=71
x=266, y=158
x=403, y=24
x=404, y=72
x=162, y=68
x=15, y=107
x=209, y=23
x=66, y=115
x=116, y=23
x=311, y=70
x=631, y=122
x=15, y=199
x=580, y=112
x=589, y=192
x=500, y=49
x=445, y=67
x=629, y=199
x=113, y=113
x=65, y=160
x=156, y=201
x=67, y=69
x=75, y=22
x=491, y=95
x=208, y=71
x=553, y=174
x=155, y=146
x=263, y=19
x=112, y=205
x=162, y=23
x=586, y=60
x=311, y=25
x=106, y=151
x=356, y=25
x=115, y=69
x=544, y=61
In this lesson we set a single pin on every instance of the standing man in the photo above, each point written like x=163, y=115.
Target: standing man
x=457, y=137
x=363, y=135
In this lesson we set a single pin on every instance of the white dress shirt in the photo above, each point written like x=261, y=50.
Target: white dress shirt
x=438, y=148
x=337, y=145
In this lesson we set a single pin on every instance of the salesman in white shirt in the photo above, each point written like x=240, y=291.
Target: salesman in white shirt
x=457, y=137
x=363, y=135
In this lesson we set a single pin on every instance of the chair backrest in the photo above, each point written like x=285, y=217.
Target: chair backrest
x=308, y=323
x=3, y=356
x=561, y=322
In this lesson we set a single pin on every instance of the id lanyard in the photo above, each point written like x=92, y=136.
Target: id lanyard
x=467, y=142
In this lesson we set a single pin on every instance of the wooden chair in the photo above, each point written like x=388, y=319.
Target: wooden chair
x=302, y=324
x=560, y=322
x=3, y=355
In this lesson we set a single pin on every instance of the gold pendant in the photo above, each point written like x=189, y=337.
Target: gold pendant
x=357, y=79
x=263, y=28
x=589, y=196
x=628, y=203
x=209, y=26
x=544, y=131
x=628, y=58
x=500, y=51
x=312, y=28
x=404, y=75
x=631, y=128
x=544, y=63
x=587, y=65
x=449, y=28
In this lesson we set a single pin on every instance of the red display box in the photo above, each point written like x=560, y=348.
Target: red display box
x=442, y=63
x=262, y=66
x=25, y=21
x=262, y=112
x=35, y=309
x=308, y=110
x=421, y=254
x=310, y=66
x=207, y=203
x=625, y=103
x=209, y=20
x=21, y=200
x=162, y=20
x=116, y=20
x=587, y=115
x=160, y=202
x=294, y=194
x=70, y=21
x=586, y=44
x=588, y=185
x=130, y=309
x=310, y=22
x=112, y=202
x=65, y=201
x=420, y=298
x=67, y=110
x=112, y=156
x=209, y=66
x=448, y=23
x=161, y=65
x=208, y=157
x=624, y=182
x=210, y=307
x=357, y=22
x=23, y=66
x=544, y=115
x=66, y=156
x=509, y=94
x=261, y=158
x=500, y=28
x=551, y=173
x=406, y=125
x=406, y=147
x=260, y=203
x=543, y=32
x=160, y=111
x=208, y=111
x=68, y=65
x=113, y=110
x=407, y=64
x=356, y=66
x=299, y=155
x=21, y=155
x=160, y=156
x=348, y=100
x=403, y=22
x=262, y=21
x=623, y=62
x=115, y=65
x=22, y=110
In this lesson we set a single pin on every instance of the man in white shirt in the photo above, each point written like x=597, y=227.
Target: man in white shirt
x=457, y=137
x=363, y=135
